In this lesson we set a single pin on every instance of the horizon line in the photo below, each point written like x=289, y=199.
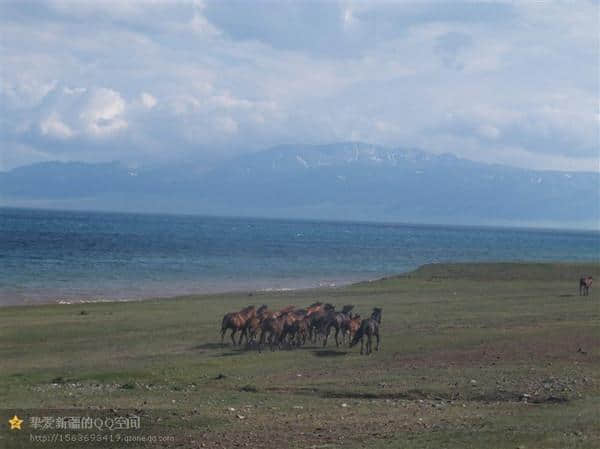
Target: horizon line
x=501, y=227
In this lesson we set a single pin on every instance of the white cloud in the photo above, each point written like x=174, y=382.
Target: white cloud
x=74, y=91
x=148, y=100
x=103, y=114
x=200, y=26
x=53, y=126
x=489, y=131
x=26, y=90
x=348, y=17
x=226, y=125
x=226, y=100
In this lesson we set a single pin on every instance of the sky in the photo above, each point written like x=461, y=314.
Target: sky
x=195, y=81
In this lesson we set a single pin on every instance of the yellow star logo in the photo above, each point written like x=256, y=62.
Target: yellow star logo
x=15, y=423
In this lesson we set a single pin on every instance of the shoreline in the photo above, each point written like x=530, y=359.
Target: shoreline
x=323, y=285
x=184, y=294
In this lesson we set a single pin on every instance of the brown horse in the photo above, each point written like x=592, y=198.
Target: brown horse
x=286, y=309
x=272, y=324
x=313, y=308
x=584, y=285
x=349, y=327
x=236, y=321
x=253, y=324
x=295, y=327
x=368, y=328
x=272, y=327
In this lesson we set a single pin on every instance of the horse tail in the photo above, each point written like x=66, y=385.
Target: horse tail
x=225, y=322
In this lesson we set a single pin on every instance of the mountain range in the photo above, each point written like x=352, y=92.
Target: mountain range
x=342, y=181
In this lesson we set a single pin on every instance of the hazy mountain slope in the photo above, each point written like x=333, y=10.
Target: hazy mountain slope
x=338, y=181
x=400, y=183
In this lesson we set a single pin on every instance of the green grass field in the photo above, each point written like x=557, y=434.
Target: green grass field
x=473, y=355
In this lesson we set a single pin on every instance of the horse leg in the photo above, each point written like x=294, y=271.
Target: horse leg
x=287, y=339
x=233, y=331
x=223, y=331
x=369, y=344
x=326, y=336
x=337, y=343
x=261, y=341
x=362, y=345
x=242, y=335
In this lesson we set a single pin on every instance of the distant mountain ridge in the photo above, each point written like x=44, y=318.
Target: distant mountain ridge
x=354, y=181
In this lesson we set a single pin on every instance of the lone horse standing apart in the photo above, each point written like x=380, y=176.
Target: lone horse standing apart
x=368, y=328
x=584, y=285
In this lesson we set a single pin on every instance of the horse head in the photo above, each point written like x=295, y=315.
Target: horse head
x=262, y=308
x=376, y=315
x=347, y=310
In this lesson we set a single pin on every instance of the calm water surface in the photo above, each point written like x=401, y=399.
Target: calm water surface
x=48, y=256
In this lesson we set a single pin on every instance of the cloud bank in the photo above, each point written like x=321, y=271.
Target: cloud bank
x=151, y=82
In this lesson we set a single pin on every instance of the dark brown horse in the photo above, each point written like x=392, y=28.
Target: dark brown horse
x=368, y=328
x=317, y=319
x=236, y=321
x=584, y=285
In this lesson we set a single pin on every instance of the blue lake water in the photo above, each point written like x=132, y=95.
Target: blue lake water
x=48, y=256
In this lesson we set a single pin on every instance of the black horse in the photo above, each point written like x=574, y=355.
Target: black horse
x=369, y=328
x=336, y=320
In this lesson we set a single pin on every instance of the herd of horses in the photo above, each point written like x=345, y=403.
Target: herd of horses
x=293, y=327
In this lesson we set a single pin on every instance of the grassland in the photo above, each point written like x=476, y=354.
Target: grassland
x=473, y=356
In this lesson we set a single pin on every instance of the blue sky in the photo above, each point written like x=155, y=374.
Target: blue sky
x=153, y=82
